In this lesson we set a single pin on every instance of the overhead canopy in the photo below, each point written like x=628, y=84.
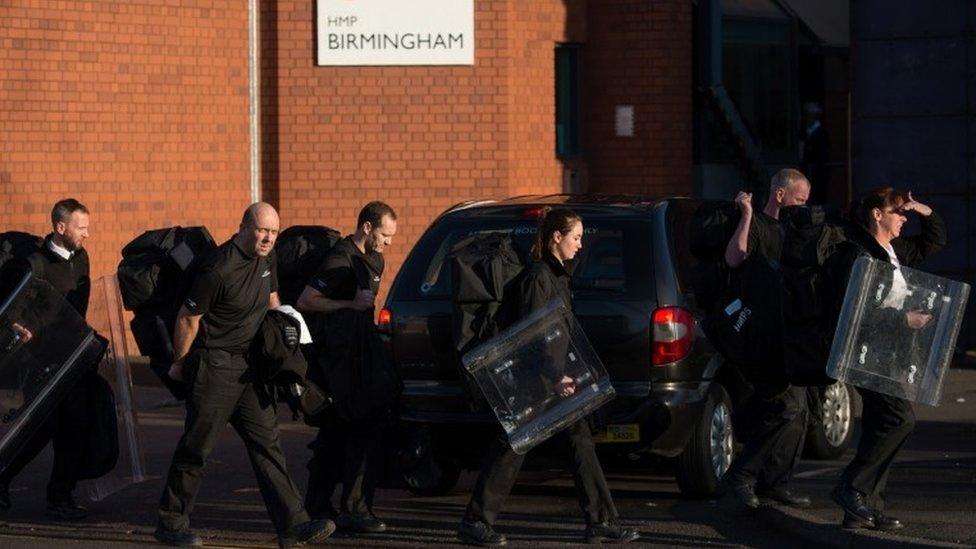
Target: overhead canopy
x=828, y=20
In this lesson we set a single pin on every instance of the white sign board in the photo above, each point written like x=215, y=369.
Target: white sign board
x=395, y=32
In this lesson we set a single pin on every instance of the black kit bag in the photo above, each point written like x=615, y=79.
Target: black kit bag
x=300, y=250
x=746, y=327
x=102, y=450
x=811, y=234
x=483, y=268
x=15, y=245
x=154, y=276
x=711, y=227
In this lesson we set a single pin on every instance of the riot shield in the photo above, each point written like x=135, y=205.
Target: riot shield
x=105, y=314
x=520, y=369
x=897, y=330
x=44, y=348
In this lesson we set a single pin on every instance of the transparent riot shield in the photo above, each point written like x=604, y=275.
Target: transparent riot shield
x=897, y=330
x=44, y=348
x=520, y=373
x=105, y=315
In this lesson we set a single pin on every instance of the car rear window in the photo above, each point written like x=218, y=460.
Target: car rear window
x=615, y=259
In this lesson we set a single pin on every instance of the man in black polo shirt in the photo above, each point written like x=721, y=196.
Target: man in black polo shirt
x=344, y=289
x=214, y=328
x=773, y=419
x=63, y=263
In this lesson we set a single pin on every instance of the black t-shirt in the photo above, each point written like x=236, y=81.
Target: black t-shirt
x=231, y=291
x=765, y=236
x=345, y=270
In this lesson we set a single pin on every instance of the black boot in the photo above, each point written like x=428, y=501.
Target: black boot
x=853, y=504
x=480, y=534
x=607, y=532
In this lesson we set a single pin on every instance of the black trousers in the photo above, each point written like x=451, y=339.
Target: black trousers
x=220, y=393
x=65, y=428
x=772, y=429
x=346, y=452
x=886, y=422
x=502, y=466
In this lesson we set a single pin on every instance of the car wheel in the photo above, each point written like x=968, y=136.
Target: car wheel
x=831, y=432
x=440, y=481
x=699, y=468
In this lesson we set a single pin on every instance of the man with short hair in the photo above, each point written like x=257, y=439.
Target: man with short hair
x=221, y=314
x=63, y=263
x=345, y=450
x=773, y=419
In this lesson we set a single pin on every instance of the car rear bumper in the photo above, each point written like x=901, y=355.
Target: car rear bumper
x=665, y=413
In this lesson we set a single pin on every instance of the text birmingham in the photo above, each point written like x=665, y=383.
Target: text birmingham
x=405, y=41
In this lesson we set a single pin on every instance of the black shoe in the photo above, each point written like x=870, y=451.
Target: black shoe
x=742, y=494
x=177, y=538
x=312, y=531
x=886, y=523
x=480, y=534
x=785, y=497
x=854, y=522
x=360, y=523
x=66, y=510
x=606, y=532
x=853, y=503
x=4, y=496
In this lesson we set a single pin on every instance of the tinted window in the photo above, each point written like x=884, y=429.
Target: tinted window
x=615, y=259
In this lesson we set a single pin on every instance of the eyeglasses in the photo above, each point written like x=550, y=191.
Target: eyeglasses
x=898, y=211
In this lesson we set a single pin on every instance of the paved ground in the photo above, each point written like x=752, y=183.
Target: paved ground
x=932, y=489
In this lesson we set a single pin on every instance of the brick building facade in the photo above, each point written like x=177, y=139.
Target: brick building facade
x=140, y=109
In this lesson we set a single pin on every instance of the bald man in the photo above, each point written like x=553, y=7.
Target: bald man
x=220, y=316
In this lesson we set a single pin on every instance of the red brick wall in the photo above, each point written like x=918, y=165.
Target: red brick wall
x=420, y=138
x=141, y=112
x=639, y=53
x=138, y=110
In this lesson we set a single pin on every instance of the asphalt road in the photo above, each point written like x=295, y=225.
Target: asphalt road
x=932, y=488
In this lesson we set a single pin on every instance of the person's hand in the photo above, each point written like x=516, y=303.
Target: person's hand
x=566, y=386
x=176, y=372
x=364, y=300
x=744, y=201
x=917, y=319
x=24, y=334
x=915, y=206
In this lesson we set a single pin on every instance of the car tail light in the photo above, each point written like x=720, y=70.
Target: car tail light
x=673, y=330
x=385, y=320
x=535, y=212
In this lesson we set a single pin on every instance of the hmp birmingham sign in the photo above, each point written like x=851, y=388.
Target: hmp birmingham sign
x=395, y=32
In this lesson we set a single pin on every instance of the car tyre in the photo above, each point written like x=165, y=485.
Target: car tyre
x=830, y=434
x=445, y=478
x=699, y=468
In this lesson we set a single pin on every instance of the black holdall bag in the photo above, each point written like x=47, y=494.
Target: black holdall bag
x=811, y=234
x=300, y=250
x=711, y=228
x=102, y=451
x=483, y=268
x=15, y=245
x=746, y=327
x=154, y=276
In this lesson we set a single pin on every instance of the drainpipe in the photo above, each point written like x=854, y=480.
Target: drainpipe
x=710, y=50
x=254, y=97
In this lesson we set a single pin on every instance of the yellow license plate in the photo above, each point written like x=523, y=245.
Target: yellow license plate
x=619, y=433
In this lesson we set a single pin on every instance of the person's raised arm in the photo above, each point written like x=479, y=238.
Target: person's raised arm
x=737, y=249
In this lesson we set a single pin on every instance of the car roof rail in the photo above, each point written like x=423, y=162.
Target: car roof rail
x=469, y=204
